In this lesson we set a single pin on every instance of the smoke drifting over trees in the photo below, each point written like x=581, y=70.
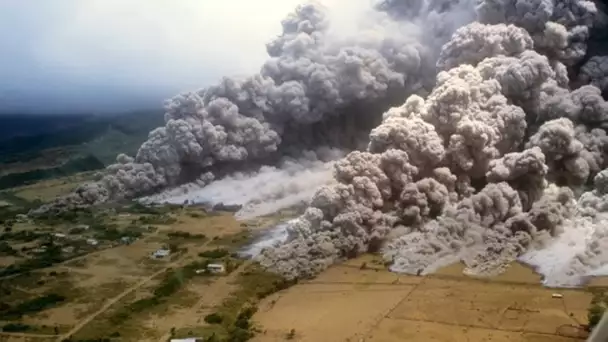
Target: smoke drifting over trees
x=484, y=123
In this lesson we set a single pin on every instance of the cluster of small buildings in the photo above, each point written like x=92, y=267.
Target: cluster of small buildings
x=70, y=243
x=89, y=241
x=214, y=268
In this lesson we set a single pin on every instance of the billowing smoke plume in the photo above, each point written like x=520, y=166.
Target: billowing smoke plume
x=595, y=72
x=490, y=149
x=487, y=168
x=317, y=89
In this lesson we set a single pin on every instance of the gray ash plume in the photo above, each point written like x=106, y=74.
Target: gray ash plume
x=476, y=132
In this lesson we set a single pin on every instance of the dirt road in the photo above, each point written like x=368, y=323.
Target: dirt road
x=116, y=299
x=25, y=335
x=215, y=293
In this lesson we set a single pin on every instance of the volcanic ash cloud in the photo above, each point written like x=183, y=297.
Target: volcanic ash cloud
x=487, y=168
x=473, y=131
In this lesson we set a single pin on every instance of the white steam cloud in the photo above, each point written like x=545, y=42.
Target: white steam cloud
x=485, y=130
x=265, y=191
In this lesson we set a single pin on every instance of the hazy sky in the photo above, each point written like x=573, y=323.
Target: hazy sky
x=105, y=55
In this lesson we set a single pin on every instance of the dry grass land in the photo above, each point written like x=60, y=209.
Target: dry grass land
x=140, y=315
x=120, y=291
x=347, y=303
x=98, y=286
x=84, y=291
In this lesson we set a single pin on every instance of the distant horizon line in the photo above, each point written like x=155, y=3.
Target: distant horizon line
x=79, y=113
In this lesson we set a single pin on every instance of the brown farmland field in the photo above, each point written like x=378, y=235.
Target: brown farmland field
x=353, y=303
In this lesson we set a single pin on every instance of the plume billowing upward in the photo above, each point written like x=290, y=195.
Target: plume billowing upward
x=497, y=126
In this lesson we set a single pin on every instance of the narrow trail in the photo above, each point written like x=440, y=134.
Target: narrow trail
x=25, y=335
x=214, y=294
x=116, y=299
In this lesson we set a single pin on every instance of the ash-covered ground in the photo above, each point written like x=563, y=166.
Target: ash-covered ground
x=431, y=131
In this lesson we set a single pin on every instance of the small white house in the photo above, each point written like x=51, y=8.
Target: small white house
x=59, y=235
x=20, y=217
x=190, y=339
x=161, y=253
x=127, y=240
x=68, y=249
x=216, y=268
x=92, y=242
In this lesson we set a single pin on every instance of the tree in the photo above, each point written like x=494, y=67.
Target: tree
x=214, y=318
x=596, y=309
x=595, y=315
x=292, y=334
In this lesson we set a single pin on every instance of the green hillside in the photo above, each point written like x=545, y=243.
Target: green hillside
x=75, y=146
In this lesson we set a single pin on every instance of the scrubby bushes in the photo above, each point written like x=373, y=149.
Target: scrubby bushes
x=32, y=306
x=238, y=330
x=196, y=215
x=214, y=318
x=139, y=208
x=21, y=236
x=217, y=253
x=49, y=257
x=16, y=327
x=599, y=303
x=76, y=231
x=169, y=285
x=233, y=318
x=185, y=235
x=76, y=215
x=157, y=219
x=7, y=250
x=291, y=335
x=233, y=241
x=244, y=317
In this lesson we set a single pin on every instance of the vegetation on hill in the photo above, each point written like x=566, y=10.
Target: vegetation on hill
x=19, y=124
x=45, y=147
x=17, y=206
x=76, y=165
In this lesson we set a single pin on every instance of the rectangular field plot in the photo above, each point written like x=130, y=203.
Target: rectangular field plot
x=324, y=312
x=394, y=330
x=493, y=305
x=352, y=274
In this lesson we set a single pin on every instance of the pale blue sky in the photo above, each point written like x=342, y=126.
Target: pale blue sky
x=113, y=55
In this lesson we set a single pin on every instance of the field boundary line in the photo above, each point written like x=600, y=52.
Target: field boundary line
x=381, y=317
x=471, y=326
x=115, y=300
x=26, y=335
